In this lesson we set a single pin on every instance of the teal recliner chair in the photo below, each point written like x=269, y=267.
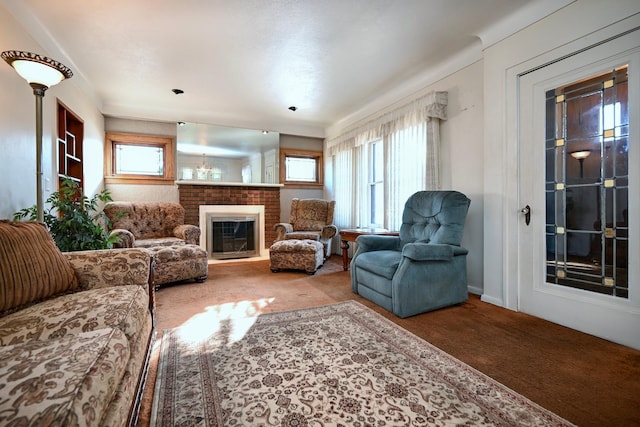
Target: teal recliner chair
x=423, y=269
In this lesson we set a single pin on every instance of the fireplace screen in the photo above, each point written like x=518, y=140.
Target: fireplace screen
x=233, y=238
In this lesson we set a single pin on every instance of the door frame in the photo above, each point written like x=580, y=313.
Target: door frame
x=606, y=316
x=511, y=191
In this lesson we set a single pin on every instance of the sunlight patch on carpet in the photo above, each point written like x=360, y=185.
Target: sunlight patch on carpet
x=232, y=319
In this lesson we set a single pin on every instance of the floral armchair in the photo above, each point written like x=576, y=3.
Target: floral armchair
x=310, y=219
x=150, y=224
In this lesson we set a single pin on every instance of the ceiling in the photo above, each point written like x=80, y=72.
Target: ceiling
x=245, y=62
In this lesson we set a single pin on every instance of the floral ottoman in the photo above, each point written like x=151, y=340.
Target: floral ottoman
x=293, y=254
x=179, y=262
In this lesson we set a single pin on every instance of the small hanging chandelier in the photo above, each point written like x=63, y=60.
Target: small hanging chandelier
x=202, y=171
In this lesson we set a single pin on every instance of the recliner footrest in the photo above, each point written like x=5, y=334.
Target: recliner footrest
x=295, y=254
x=179, y=262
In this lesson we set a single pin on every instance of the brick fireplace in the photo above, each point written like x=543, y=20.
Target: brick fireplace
x=194, y=195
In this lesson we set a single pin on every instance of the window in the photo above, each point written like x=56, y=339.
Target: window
x=376, y=181
x=301, y=168
x=138, y=159
x=375, y=167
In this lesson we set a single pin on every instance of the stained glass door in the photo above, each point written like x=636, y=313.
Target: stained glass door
x=579, y=176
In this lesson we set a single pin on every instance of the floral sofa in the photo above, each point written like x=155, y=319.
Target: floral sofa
x=75, y=331
x=150, y=224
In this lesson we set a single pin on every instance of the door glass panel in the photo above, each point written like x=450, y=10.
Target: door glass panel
x=586, y=172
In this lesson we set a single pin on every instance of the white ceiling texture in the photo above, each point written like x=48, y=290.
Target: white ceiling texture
x=245, y=62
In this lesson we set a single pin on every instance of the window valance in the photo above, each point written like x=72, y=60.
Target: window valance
x=431, y=105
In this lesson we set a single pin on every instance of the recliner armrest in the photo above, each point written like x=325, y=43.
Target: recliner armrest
x=328, y=231
x=125, y=238
x=281, y=229
x=368, y=243
x=189, y=233
x=432, y=252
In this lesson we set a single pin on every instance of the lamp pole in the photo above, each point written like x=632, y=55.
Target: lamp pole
x=38, y=91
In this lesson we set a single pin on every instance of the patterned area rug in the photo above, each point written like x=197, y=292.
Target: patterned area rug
x=336, y=365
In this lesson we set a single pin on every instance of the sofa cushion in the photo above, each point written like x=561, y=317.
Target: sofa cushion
x=160, y=241
x=303, y=235
x=62, y=382
x=31, y=266
x=381, y=263
x=118, y=412
x=121, y=307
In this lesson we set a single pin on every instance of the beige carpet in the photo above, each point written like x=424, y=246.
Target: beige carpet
x=338, y=364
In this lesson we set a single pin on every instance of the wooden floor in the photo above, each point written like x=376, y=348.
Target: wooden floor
x=587, y=380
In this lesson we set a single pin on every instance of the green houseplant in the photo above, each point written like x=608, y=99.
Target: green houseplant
x=76, y=222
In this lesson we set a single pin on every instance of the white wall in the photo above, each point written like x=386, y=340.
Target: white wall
x=461, y=158
x=572, y=28
x=17, y=128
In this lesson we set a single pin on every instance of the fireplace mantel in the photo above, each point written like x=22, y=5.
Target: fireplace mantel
x=226, y=184
x=193, y=194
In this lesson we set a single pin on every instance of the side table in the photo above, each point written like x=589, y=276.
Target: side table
x=350, y=235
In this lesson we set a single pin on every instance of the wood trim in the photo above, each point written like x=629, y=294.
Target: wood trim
x=303, y=185
x=291, y=152
x=138, y=180
x=167, y=144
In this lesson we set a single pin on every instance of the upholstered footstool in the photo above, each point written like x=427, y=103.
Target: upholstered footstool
x=295, y=254
x=179, y=262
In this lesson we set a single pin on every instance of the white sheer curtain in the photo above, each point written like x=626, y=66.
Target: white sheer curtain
x=411, y=138
x=405, y=155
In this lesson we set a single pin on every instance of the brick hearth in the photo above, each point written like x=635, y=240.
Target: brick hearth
x=192, y=196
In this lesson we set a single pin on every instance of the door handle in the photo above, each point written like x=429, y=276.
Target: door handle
x=527, y=214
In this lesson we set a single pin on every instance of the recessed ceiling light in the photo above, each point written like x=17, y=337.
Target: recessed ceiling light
x=181, y=123
x=177, y=91
x=264, y=132
x=293, y=108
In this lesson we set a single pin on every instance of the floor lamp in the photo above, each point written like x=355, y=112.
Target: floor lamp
x=41, y=73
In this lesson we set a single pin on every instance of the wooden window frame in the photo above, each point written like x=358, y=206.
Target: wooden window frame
x=166, y=143
x=307, y=154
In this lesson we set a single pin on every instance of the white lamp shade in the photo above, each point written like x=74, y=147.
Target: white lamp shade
x=36, y=72
x=36, y=69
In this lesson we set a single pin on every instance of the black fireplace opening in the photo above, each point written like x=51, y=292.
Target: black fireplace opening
x=233, y=237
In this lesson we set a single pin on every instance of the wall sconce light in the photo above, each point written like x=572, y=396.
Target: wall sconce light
x=580, y=156
x=41, y=73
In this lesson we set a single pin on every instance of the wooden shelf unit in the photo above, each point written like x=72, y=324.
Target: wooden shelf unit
x=70, y=139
